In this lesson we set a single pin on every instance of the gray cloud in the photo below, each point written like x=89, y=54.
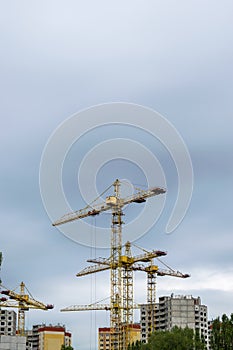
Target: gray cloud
x=58, y=58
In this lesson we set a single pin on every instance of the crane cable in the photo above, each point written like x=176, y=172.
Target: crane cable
x=93, y=283
x=146, y=251
x=95, y=277
x=165, y=264
x=101, y=194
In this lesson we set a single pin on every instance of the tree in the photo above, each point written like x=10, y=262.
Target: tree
x=199, y=341
x=175, y=339
x=135, y=346
x=222, y=333
x=63, y=347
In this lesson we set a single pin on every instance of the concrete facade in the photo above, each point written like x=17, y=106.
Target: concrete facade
x=7, y=322
x=33, y=337
x=12, y=342
x=148, y=320
x=179, y=310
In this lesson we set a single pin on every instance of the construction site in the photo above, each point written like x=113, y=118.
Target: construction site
x=122, y=263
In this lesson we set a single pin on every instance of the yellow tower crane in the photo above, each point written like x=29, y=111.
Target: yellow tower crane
x=126, y=262
x=23, y=302
x=129, y=264
x=115, y=204
x=152, y=272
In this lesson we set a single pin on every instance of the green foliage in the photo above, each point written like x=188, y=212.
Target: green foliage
x=176, y=339
x=135, y=346
x=222, y=333
x=63, y=347
x=199, y=341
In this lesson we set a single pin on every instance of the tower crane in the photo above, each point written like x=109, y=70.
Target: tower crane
x=129, y=264
x=152, y=272
x=126, y=262
x=114, y=203
x=23, y=302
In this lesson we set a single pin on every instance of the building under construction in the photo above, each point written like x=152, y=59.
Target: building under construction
x=175, y=310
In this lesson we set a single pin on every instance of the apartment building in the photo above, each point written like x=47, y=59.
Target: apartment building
x=104, y=338
x=8, y=322
x=175, y=310
x=43, y=337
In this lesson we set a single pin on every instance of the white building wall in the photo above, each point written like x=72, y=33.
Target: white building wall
x=8, y=342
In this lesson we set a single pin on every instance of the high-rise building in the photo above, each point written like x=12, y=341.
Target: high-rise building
x=8, y=322
x=43, y=337
x=179, y=310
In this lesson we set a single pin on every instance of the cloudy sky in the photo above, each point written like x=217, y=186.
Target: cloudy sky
x=58, y=58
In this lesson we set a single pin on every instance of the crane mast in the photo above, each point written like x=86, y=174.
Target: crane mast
x=116, y=271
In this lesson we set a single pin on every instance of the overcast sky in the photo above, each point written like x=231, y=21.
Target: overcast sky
x=59, y=57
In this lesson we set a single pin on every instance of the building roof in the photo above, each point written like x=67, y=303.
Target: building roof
x=52, y=329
